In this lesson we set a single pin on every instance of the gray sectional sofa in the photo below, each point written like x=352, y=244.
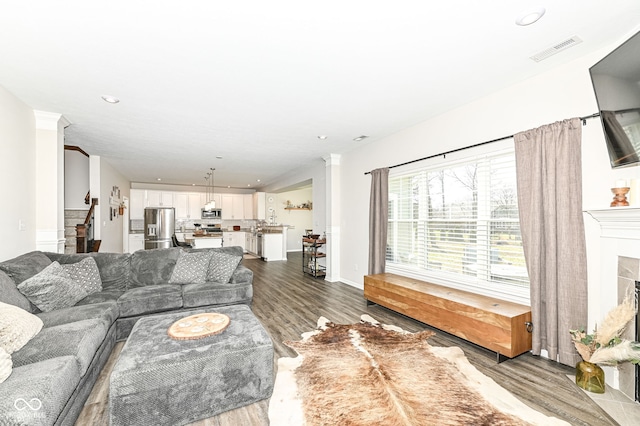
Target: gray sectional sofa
x=55, y=371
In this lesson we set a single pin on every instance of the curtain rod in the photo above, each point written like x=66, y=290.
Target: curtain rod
x=583, y=119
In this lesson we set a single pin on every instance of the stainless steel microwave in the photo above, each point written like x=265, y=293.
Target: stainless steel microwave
x=211, y=214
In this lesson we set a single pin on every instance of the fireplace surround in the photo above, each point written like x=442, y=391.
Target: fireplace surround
x=614, y=260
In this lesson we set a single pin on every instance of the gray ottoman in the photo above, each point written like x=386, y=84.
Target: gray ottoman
x=161, y=381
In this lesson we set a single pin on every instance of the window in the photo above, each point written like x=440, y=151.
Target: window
x=457, y=224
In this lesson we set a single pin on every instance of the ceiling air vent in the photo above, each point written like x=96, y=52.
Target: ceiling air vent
x=556, y=48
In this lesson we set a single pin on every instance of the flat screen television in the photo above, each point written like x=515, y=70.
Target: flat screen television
x=616, y=82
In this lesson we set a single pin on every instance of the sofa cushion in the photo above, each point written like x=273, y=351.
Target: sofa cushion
x=107, y=311
x=85, y=273
x=52, y=288
x=222, y=266
x=17, y=327
x=6, y=365
x=150, y=299
x=101, y=296
x=242, y=274
x=211, y=293
x=191, y=267
x=25, y=266
x=10, y=294
x=36, y=394
x=81, y=339
x=113, y=267
x=152, y=267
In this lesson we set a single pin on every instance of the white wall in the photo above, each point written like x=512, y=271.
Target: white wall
x=103, y=177
x=316, y=176
x=17, y=176
x=76, y=179
x=111, y=232
x=298, y=220
x=562, y=93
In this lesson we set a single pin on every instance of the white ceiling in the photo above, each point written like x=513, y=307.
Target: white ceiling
x=256, y=82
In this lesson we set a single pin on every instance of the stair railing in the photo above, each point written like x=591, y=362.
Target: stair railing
x=85, y=243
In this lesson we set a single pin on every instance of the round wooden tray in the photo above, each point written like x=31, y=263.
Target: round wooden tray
x=198, y=326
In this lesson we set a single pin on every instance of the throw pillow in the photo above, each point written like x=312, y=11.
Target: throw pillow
x=191, y=267
x=17, y=327
x=86, y=274
x=25, y=266
x=52, y=289
x=222, y=266
x=6, y=365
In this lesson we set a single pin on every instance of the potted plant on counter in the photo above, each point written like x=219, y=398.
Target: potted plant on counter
x=605, y=346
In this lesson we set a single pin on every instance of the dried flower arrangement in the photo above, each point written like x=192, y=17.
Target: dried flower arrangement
x=605, y=346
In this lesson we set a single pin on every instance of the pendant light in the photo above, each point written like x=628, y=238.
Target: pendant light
x=211, y=203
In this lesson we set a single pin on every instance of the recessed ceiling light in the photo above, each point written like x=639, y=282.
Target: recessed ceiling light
x=322, y=137
x=257, y=180
x=158, y=179
x=248, y=184
x=530, y=16
x=359, y=138
x=110, y=99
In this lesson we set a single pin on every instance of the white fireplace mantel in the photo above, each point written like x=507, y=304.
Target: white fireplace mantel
x=618, y=222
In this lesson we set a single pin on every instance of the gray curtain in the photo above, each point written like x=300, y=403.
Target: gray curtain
x=549, y=175
x=378, y=220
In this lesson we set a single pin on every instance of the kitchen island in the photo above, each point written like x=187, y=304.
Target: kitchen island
x=206, y=241
x=274, y=243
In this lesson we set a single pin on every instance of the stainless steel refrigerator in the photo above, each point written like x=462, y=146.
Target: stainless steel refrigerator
x=159, y=226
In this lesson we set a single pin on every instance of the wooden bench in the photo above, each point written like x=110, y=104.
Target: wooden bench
x=501, y=326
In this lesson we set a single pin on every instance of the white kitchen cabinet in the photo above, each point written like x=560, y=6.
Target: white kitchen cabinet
x=207, y=242
x=248, y=206
x=136, y=242
x=188, y=205
x=259, y=205
x=233, y=206
x=159, y=198
x=181, y=204
x=216, y=197
x=235, y=238
x=136, y=204
x=251, y=243
x=247, y=242
x=196, y=203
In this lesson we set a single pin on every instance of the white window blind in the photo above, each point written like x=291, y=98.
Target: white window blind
x=458, y=224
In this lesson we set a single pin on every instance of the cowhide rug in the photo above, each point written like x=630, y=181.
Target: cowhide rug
x=372, y=374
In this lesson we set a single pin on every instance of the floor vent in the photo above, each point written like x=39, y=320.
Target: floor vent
x=556, y=48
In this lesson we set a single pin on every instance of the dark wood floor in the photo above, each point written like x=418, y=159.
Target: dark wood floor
x=288, y=303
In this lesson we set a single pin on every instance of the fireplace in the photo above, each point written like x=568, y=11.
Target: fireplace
x=613, y=262
x=637, y=339
x=629, y=283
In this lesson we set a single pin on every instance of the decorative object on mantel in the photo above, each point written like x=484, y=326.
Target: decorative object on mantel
x=605, y=346
x=198, y=326
x=620, y=197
